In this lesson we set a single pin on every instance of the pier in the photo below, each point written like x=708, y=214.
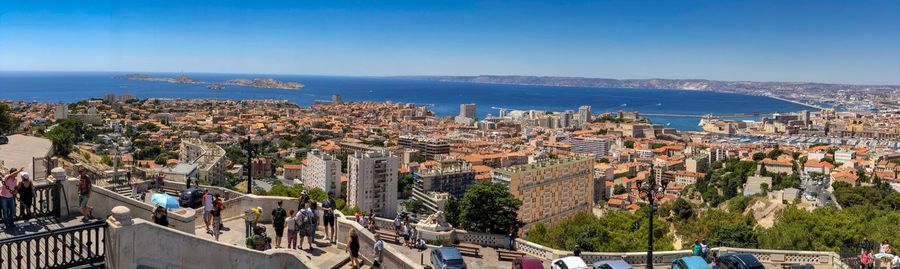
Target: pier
x=732, y=115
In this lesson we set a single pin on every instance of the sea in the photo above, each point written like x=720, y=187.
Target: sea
x=443, y=97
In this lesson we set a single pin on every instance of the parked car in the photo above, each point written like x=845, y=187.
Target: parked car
x=738, y=261
x=448, y=256
x=527, y=263
x=571, y=262
x=690, y=262
x=4, y=140
x=612, y=264
x=191, y=197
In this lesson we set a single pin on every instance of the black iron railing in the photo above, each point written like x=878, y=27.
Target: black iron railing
x=46, y=201
x=81, y=245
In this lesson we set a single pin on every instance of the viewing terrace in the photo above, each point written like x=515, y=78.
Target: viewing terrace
x=124, y=237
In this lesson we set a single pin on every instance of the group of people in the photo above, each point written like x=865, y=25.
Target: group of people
x=212, y=212
x=13, y=189
x=411, y=237
x=867, y=257
x=301, y=224
x=700, y=248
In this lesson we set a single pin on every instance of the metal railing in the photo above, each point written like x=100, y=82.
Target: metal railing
x=81, y=245
x=44, y=203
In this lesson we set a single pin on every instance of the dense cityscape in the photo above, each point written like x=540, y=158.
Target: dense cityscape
x=475, y=134
x=542, y=174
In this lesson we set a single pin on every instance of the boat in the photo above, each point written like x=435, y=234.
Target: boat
x=215, y=86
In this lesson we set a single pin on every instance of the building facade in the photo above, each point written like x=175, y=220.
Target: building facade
x=598, y=147
x=322, y=171
x=551, y=190
x=209, y=158
x=428, y=147
x=373, y=182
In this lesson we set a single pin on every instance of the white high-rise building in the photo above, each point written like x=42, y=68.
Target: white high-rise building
x=373, y=182
x=599, y=147
x=467, y=111
x=322, y=171
x=584, y=114
x=61, y=111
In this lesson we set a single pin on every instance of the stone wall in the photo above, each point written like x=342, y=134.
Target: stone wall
x=392, y=256
x=136, y=243
x=103, y=201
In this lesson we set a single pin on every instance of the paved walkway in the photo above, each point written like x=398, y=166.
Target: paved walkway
x=324, y=255
x=41, y=225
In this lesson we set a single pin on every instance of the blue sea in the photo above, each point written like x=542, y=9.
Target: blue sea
x=444, y=97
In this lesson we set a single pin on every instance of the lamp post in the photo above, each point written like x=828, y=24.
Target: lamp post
x=650, y=189
x=249, y=151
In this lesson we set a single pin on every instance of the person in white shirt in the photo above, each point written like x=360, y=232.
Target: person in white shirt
x=207, y=209
x=292, y=230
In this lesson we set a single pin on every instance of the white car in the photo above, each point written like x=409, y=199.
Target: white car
x=571, y=262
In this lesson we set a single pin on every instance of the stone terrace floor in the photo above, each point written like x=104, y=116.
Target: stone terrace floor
x=42, y=225
x=324, y=255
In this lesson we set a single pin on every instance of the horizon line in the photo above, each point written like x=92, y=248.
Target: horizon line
x=424, y=76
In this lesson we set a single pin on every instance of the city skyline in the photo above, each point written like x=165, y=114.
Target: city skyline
x=828, y=42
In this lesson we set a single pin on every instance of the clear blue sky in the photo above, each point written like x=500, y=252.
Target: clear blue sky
x=855, y=41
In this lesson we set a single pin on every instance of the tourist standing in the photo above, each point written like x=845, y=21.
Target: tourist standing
x=413, y=234
x=292, y=230
x=704, y=249
x=865, y=246
x=304, y=219
x=8, y=199
x=161, y=216
x=697, y=248
x=207, y=209
x=712, y=261
x=404, y=230
x=26, y=195
x=84, y=193
x=216, y=213
x=249, y=219
x=377, y=252
x=159, y=183
x=328, y=207
x=397, y=224
x=313, y=223
x=866, y=261
x=511, y=238
x=278, y=218
x=353, y=248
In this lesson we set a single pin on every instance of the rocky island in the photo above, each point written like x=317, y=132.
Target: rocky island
x=265, y=83
x=268, y=83
x=180, y=79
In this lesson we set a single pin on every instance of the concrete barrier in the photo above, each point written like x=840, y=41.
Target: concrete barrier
x=136, y=243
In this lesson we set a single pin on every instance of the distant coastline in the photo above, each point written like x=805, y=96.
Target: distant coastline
x=267, y=83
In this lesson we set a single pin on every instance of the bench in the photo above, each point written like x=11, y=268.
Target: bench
x=503, y=254
x=468, y=250
x=388, y=235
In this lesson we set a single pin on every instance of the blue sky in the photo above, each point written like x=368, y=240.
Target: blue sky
x=821, y=41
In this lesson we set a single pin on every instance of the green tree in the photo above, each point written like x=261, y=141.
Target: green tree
x=8, y=121
x=682, y=210
x=759, y=156
x=618, y=189
x=617, y=231
x=489, y=208
x=451, y=211
x=629, y=144
x=63, y=140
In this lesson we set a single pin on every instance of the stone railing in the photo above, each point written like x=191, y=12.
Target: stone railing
x=103, y=201
x=775, y=257
x=393, y=258
x=136, y=243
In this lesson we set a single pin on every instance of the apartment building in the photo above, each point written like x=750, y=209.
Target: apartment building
x=550, y=190
x=428, y=147
x=373, y=182
x=598, y=147
x=322, y=171
x=209, y=158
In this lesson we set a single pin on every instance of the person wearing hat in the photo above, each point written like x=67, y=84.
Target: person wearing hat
x=8, y=198
x=26, y=195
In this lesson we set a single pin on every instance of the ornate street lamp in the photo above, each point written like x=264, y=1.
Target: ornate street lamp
x=650, y=190
x=249, y=150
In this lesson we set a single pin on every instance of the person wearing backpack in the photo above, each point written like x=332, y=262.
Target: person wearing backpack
x=278, y=218
x=84, y=193
x=313, y=219
x=303, y=219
